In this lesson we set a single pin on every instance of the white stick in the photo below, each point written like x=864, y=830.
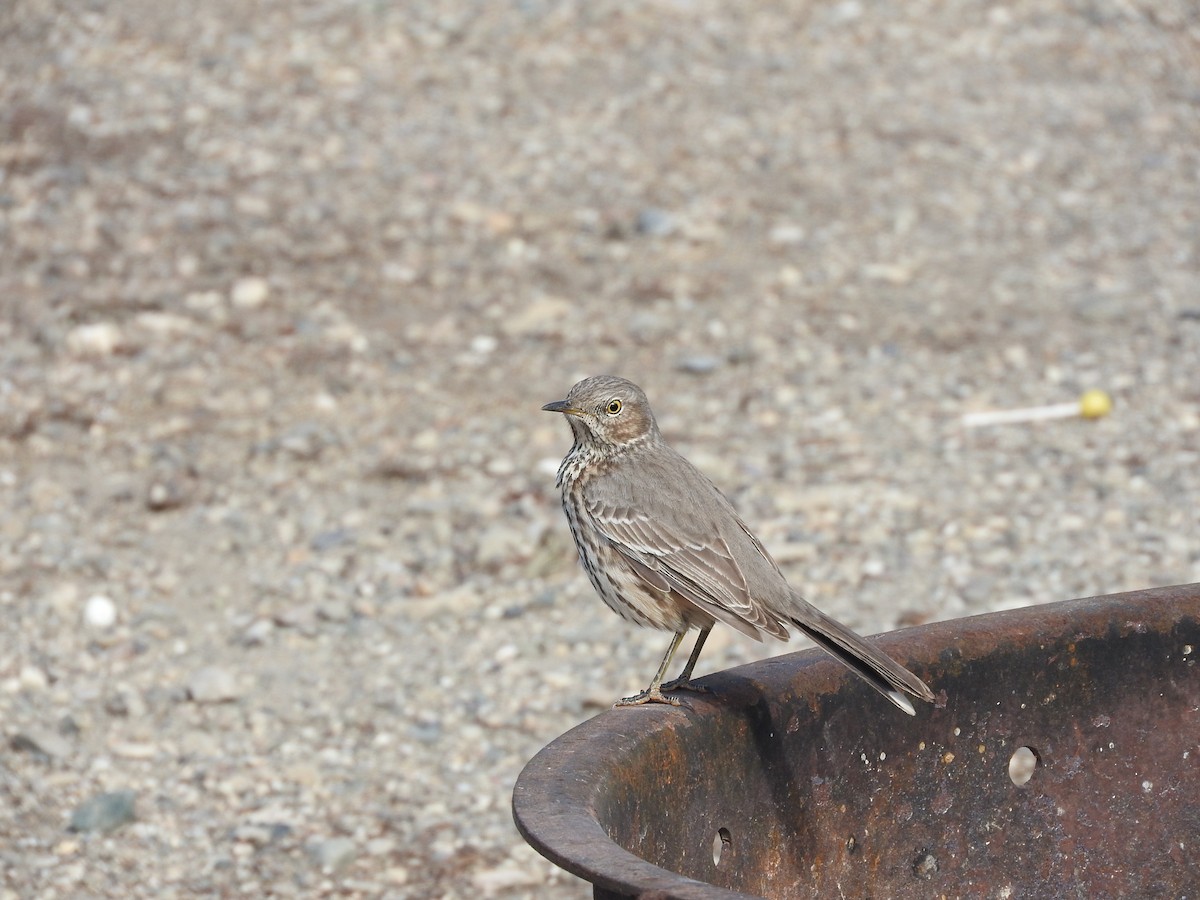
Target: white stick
x=1028, y=414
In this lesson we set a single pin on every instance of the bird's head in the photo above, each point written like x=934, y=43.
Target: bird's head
x=607, y=410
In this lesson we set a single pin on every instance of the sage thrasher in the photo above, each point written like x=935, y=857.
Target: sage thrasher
x=663, y=547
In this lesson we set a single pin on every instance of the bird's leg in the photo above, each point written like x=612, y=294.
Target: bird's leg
x=684, y=681
x=654, y=694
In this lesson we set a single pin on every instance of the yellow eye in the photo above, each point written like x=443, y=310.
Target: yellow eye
x=614, y=407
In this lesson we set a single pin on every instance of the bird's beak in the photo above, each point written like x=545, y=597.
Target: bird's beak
x=562, y=406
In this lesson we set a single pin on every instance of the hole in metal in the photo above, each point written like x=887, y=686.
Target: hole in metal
x=925, y=865
x=721, y=843
x=1021, y=765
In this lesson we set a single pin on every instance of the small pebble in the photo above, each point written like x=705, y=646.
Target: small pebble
x=656, y=222
x=96, y=339
x=302, y=615
x=125, y=702
x=328, y=540
x=305, y=440
x=104, y=812
x=31, y=678
x=332, y=854
x=134, y=749
x=786, y=234
x=41, y=743
x=699, y=364
x=165, y=325
x=381, y=846
x=213, y=684
x=257, y=632
x=260, y=834
x=166, y=493
x=334, y=611
x=249, y=293
x=484, y=344
x=100, y=612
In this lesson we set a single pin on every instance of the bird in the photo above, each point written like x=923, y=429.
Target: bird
x=664, y=548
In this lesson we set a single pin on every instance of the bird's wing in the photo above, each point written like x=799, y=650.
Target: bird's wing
x=680, y=547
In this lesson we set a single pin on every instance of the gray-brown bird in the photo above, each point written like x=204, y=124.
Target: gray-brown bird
x=663, y=547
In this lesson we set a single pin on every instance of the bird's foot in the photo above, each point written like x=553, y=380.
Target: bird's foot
x=686, y=684
x=654, y=695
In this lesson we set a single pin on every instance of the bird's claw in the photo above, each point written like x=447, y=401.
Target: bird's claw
x=686, y=684
x=651, y=696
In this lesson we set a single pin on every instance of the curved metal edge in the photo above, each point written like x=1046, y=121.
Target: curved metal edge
x=554, y=810
x=554, y=797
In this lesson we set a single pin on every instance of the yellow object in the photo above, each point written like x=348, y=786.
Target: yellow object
x=1095, y=404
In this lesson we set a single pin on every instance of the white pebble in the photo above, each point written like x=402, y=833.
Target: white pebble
x=97, y=339
x=249, y=293
x=483, y=344
x=100, y=611
x=162, y=324
x=213, y=684
x=500, y=465
x=203, y=301
x=507, y=653
x=873, y=568
x=787, y=234
x=33, y=678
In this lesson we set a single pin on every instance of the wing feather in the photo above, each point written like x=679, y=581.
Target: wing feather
x=701, y=570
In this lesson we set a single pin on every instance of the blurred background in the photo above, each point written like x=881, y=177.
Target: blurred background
x=288, y=599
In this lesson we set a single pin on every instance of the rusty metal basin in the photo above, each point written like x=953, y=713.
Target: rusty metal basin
x=793, y=779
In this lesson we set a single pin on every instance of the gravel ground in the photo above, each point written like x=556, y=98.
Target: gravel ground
x=288, y=599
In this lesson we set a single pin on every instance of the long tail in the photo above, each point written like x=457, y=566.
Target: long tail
x=862, y=657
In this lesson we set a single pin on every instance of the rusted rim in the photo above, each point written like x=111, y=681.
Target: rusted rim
x=556, y=795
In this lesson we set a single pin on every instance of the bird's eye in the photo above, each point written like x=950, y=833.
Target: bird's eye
x=614, y=407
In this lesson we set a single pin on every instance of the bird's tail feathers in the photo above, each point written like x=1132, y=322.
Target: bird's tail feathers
x=863, y=658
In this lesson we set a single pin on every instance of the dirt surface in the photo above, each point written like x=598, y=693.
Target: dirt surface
x=283, y=286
